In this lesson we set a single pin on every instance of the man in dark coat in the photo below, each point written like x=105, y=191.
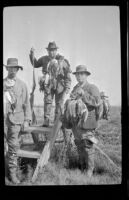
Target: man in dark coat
x=56, y=79
x=86, y=98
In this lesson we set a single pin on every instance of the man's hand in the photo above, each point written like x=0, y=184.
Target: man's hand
x=32, y=53
x=77, y=94
x=25, y=125
x=32, y=50
x=80, y=92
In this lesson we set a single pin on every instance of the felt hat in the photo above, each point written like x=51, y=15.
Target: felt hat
x=51, y=45
x=81, y=68
x=102, y=94
x=13, y=62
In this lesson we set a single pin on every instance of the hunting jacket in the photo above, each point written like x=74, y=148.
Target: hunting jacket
x=22, y=109
x=63, y=78
x=91, y=98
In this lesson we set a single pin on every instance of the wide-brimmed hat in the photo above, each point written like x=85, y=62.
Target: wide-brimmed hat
x=102, y=94
x=13, y=62
x=81, y=68
x=52, y=45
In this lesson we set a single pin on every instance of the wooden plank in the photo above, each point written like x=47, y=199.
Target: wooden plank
x=54, y=132
x=28, y=147
x=26, y=139
x=38, y=129
x=45, y=155
x=28, y=154
x=42, y=160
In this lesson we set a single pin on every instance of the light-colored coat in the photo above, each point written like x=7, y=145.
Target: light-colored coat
x=22, y=109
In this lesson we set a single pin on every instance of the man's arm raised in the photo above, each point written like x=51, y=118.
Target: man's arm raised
x=36, y=63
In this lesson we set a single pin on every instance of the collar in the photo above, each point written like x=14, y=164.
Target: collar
x=83, y=84
x=58, y=57
x=10, y=82
x=15, y=78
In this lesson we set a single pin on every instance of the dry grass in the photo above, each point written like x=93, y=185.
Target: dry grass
x=63, y=167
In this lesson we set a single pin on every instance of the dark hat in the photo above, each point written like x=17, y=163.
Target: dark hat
x=102, y=94
x=52, y=45
x=81, y=68
x=13, y=62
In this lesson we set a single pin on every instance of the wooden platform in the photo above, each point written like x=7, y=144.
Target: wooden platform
x=40, y=149
x=37, y=128
x=28, y=154
x=34, y=137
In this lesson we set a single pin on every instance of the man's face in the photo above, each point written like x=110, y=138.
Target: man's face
x=12, y=71
x=52, y=53
x=81, y=77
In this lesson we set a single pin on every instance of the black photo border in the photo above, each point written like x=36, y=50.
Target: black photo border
x=97, y=191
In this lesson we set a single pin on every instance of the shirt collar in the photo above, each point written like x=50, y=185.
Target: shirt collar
x=83, y=84
x=10, y=82
x=15, y=78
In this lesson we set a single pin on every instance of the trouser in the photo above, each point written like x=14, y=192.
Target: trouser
x=48, y=99
x=13, y=145
x=85, y=148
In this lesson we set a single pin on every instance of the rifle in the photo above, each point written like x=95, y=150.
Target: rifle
x=34, y=121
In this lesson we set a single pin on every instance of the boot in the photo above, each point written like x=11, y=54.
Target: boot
x=89, y=149
x=46, y=123
x=13, y=176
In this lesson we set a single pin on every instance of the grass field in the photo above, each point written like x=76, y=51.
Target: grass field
x=62, y=170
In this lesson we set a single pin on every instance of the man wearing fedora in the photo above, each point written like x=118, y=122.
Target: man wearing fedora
x=106, y=106
x=56, y=79
x=17, y=114
x=84, y=133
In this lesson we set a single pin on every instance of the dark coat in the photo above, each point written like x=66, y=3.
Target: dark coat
x=63, y=79
x=22, y=110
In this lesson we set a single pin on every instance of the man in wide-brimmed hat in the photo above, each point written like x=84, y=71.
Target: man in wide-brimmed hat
x=17, y=113
x=88, y=96
x=105, y=106
x=56, y=79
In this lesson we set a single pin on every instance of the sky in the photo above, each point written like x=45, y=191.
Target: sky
x=88, y=35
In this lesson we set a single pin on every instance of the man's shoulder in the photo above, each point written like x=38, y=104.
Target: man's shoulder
x=21, y=82
x=44, y=59
x=62, y=58
x=59, y=57
x=4, y=79
x=91, y=85
x=92, y=88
